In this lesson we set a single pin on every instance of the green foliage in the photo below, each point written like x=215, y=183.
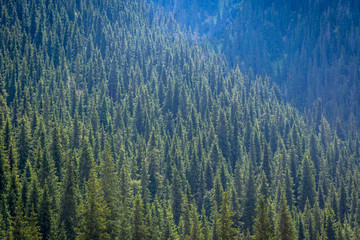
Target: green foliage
x=69, y=201
x=226, y=231
x=262, y=226
x=115, y=124
x=139, y=229
x=285, y=229
x=93, y=211
x=307, y=187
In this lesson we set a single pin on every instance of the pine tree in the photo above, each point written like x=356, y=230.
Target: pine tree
x=195, y=225
x=33, y=228
x=20, y=229
x=289, y=192
x=56, y=150
x=177, y=196
x=343, y=205
x=45, y=214
x=301, y=231
x=13, y=192
x=24, y=142
x=139, y=228
x=76, y=131
x=285, y=229
x=185, y=220
x=223, y=138
x=85, y=160
x=262, y=228
x=209, y=176
x=68, y=207
x=4, y=170
x=215, y=157
x=218, y=191
x=264, y=186
x=249, y=202
x=93, y=211
x=266, y=167
x=226, y=230
x=307, y=187
x=330, y=223
x=125, y=193
x=153, y=158
x=111, y=195
x=169, y=230
x=235, y=208
x=34, y=195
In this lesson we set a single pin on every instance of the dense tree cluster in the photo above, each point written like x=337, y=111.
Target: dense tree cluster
x=310, y=48
x=114, y=126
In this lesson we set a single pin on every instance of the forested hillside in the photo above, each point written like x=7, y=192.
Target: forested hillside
x=115, y=126
x=310, y=48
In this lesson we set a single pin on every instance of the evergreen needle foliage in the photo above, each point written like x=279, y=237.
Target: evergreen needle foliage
x=117, y=124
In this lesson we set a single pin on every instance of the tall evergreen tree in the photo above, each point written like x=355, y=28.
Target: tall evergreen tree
x=139, y=228
x=93, y=211
x=307, y=187
x=226, y=230
x=249, y=202
x=285, y=229
x=262, y=228
x=56, y=150
x=45, y=214
x=24, y=142
x=68, y=209
x=153, y=157
x=85, y=160
x=111, y=195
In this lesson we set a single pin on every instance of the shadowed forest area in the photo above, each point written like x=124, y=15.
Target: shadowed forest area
x=309, y=48
x=124, y=120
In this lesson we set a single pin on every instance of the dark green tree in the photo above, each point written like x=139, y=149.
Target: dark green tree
x=56, y=149
x=139, y=228
x=85, y=160
x=249, y=204
x=68, y=207
x=153, y=158
x=24, y=142
x=285, y=229
x=226, y=230
x=307, y=186
x=45, y=214
x=93, y=211
x=262, y=227
x=110, y=193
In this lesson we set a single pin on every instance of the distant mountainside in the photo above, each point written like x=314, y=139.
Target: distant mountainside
x=117, y=124
x=309, y=48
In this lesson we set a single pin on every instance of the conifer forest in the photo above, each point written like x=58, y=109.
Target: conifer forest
x=180, y=119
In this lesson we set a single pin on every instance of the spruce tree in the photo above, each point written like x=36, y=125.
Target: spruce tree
x=45, y=214
x=111, y=195
x=153, y=157
x=262, y=228
x=307, y=186
x=4, y=170
x=68, y=208
x=226, y=230
x=24, y=142
x=195, y=225
x=93, y=211
x=249, y=202
x=139, y=228
x=56, y=150
x=285, y=229
x=85, y=160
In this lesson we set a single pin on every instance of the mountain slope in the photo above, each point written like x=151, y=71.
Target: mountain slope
x=309, y=48
x=114, y=125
